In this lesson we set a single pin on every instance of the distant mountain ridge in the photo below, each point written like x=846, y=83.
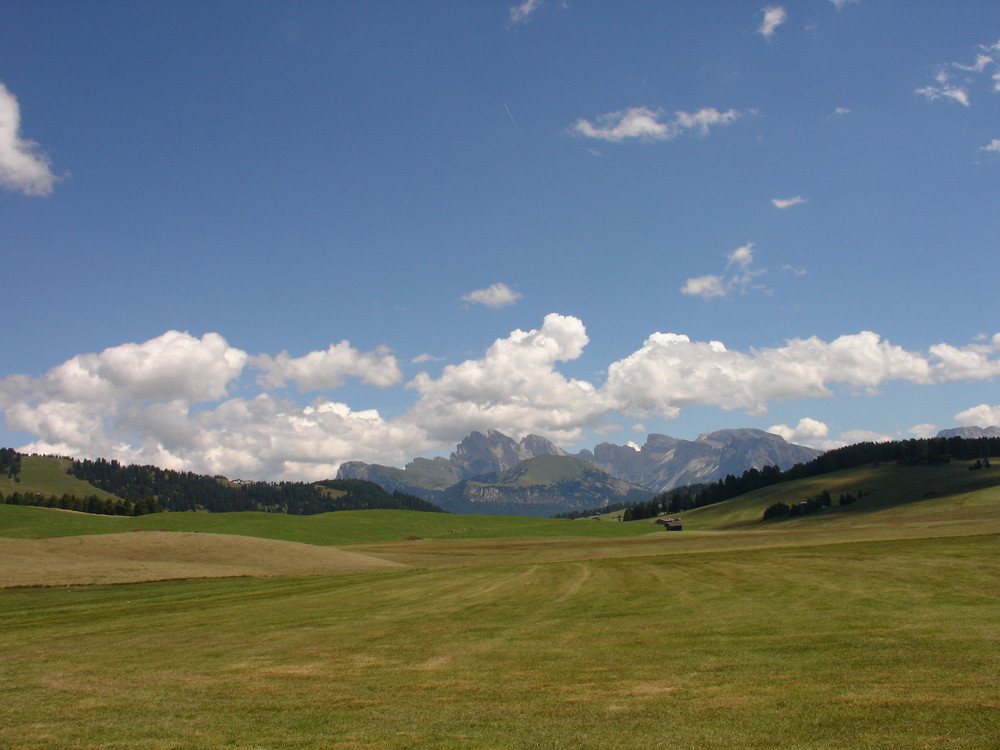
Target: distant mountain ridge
x=478, y=453
x=663, y=463
x=540, y=486
x=666, y=462
x=970, y=433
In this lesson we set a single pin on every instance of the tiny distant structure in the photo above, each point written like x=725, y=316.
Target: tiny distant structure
x=669, y=524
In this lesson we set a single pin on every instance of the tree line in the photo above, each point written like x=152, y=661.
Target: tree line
x=106, y=506
x=187, y=491
x=10, y=463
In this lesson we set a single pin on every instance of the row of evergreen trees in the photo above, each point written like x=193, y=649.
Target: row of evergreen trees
x=186, y=491
x=90, y=504
x=812, y=505
x=10, y=463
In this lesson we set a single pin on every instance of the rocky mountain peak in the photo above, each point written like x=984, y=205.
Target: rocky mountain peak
x=536, y=445
x=481, y=453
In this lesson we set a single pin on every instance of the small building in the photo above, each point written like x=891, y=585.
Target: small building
x=670, y=524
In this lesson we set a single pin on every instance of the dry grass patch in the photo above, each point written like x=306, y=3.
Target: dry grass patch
x=162, y=555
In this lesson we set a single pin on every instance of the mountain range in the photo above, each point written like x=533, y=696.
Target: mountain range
x=493, y=473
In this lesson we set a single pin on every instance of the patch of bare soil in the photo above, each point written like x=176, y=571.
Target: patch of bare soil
x=163, y=555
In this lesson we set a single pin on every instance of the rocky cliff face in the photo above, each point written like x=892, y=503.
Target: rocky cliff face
x=479, y=453
x=666, y=462
x=482, y=453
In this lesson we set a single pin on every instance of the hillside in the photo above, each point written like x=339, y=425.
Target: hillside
x=942, y=495
x=48, y=476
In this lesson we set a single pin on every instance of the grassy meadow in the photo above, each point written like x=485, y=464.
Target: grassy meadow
x=872, y=626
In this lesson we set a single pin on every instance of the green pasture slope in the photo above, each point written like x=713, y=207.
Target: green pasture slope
x=891, y=492
x=806, y=633
x=45, y=475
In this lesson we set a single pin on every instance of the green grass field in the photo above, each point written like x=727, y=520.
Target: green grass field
x=873, y=626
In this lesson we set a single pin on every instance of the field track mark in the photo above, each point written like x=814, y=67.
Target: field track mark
x=577, y=584
x=486, y=590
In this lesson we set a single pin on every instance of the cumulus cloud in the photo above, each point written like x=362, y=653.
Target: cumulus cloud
x=705, y=287
x=514, y=388
x=496, y=296
x=774, y=16
x=321, y=370
x=169, y=400
x=670, y=372
x=993, y=146
x=808, y=431
x=23, y=167
x=925, y=430
x=739, y=275
x=644, y=124
x=983, y=415
x=787, y=202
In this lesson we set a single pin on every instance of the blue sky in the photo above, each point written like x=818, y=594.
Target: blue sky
x=263, y=238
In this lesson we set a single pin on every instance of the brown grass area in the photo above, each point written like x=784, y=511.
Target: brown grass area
x=165, y=555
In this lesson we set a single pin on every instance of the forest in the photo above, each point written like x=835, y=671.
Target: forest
x=150, y=489
x=187, y=491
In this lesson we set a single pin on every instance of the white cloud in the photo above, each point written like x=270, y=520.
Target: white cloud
x=841, y=111
x=167, y=400
x=981, y=64
x=739, y=275
x=22, y=166
x=644, y=124
x=521, y=12
x=774, y=16
x=808, y=431
x=971, y=362
x=841, y=3
x=787, y=202
x=955, y=93
x=496, y=296
x=670, y=372
x=993, y=146
x=514, y=388
x=741, y=256
x=705, y=287
x=924, y=430
x=985, y=64
x=425, y=357
x=850, y=437
x=983, y=415
x=321, y=370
